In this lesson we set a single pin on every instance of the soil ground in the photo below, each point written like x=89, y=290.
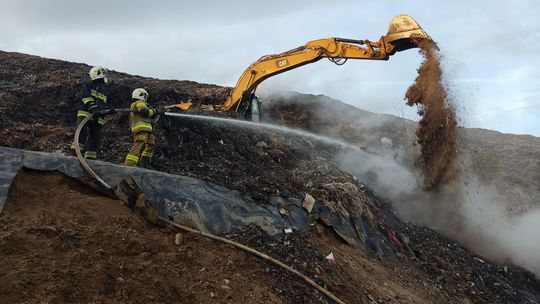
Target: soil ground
x=61, y=242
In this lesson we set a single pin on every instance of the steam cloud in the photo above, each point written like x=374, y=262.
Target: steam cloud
x=473, y=213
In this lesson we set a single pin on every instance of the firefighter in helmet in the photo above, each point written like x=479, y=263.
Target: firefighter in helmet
x=94, y=100
x=141, y=119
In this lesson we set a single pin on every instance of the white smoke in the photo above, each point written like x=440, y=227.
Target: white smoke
x=381, y=171
x=473, y=213
x=497, y=234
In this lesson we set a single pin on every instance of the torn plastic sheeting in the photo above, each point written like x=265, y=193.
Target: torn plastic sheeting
x=297, y=217
x=355, y=232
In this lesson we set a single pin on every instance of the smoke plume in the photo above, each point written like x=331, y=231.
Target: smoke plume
x=473, y=213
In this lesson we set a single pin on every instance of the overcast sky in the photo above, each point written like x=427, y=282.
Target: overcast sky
x=490, y=47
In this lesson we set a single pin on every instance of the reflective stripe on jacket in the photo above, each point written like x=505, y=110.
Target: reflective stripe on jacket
x=101, y=121
x=140, y=122
x=93, y=98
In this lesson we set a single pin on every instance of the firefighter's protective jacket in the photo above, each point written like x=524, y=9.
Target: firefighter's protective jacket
x=94, y=98
x=141, y=117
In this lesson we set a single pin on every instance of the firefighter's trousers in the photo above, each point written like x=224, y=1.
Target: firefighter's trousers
x=142, y=150
x=89, y=138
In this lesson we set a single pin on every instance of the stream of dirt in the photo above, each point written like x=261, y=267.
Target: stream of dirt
x=437, y=129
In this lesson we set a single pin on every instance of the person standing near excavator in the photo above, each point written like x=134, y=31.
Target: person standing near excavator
x=94, y=100
x=141, y=119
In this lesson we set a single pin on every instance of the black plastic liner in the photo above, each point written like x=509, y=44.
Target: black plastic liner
x=191, y=201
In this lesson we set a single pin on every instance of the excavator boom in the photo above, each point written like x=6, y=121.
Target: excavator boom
x=402, y=34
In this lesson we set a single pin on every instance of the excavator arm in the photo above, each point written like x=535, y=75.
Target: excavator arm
x=401, y=35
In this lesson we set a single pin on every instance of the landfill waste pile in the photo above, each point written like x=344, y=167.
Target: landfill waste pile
x=62, y=240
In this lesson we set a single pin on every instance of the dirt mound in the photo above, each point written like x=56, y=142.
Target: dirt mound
x=61, y=242
x=437, y=130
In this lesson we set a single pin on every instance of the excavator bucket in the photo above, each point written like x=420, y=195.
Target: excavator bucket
x=403, y=31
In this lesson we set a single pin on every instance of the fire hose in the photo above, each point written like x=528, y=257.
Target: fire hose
x=83, y=162
x=91, y=172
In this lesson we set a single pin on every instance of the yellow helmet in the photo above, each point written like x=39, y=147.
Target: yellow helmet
x=97, y=72
x=139, y=94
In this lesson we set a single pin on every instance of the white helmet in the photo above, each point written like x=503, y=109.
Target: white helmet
x=97, y=72
x=140, y=94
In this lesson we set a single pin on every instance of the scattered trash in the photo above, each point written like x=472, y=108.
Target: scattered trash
x=261, y=144
x=221, y=141
x=481, y=280
x=287, y=230
x=404, y=238
x=178, y=239
x=284, y=208
x=207, y=107
x=386, y=142
x=331, y=258
x=309, y=202
x=395, y=241
x=309, y=143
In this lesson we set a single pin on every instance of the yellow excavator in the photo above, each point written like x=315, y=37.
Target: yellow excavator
x=403, y=34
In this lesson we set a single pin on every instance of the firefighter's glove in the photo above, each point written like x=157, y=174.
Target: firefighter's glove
x=97, y=114
x=143, y=112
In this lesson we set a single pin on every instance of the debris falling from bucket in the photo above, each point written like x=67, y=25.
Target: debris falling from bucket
x=437, y=129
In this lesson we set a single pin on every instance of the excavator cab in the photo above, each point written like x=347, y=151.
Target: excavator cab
x=402, y=33
x=250, y=108
x=255, y=109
